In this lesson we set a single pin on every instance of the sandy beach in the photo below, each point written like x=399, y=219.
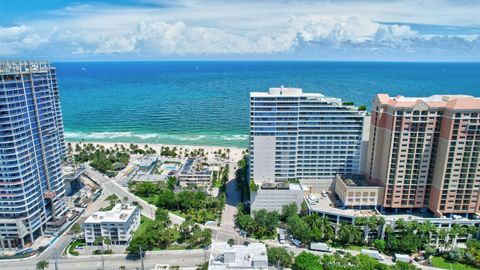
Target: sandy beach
x=236, y=153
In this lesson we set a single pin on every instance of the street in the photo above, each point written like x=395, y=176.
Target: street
x=185, y=258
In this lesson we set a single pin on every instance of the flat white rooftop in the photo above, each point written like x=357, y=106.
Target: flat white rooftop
x=119, y=213
x=294, y=92
x=224, y=256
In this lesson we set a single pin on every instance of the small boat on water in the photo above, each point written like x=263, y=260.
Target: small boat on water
x=83, y=69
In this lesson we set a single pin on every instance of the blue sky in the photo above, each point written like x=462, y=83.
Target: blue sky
x=359, y=30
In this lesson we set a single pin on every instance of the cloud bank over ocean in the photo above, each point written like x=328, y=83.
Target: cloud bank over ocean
x=438, y=30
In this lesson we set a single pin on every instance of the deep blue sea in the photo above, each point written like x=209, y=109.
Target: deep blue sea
x=206, y=103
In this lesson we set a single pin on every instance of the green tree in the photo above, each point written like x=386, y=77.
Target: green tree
x=379, y=245
x=76, y=229
x=348, y=234
x=162, y=216
x=403, y=266
x=231, y=242
x=171, y=182
x=266, y=222
x=136, y=243
x=289, y=210
x=146, y=189
x=166, y=236
x=107, y=241
x=42, y=265
x=307, y=261
x=203, y=266
x=112, y=199
x=98, y=242
x=299, y=229
x=166, y=199
x=279, y=256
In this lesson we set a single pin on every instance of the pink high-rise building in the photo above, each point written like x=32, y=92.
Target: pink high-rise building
x=425, y=152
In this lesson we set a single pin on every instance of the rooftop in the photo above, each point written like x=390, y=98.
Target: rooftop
x=281, y=185
x=146, y=161
x=119, y=213
x=191, y=167
x=224, y=256
x=354, y=180
x=327, y=204
x=12, y=67
x=453, y=102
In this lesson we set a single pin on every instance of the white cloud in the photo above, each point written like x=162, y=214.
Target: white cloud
x=193, y=28
x=16, y=39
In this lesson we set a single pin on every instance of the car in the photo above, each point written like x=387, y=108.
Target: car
x=297, y=243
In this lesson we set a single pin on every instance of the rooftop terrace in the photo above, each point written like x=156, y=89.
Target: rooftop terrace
x=119, y=213
x=354, y=180
x=191, y=167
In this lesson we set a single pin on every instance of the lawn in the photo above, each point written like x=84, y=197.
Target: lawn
x=357, y=248
x=144, y=222
x=443, y=264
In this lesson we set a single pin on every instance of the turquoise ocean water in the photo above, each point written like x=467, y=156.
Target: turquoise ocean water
x=206, y=103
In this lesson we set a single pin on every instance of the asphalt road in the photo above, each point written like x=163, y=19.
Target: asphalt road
x=183, y=258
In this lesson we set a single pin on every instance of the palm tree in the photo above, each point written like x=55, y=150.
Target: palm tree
x=371, y=224
x=41, y=265
x=472, y=231
x=98, y=242
x=122, y=267
x=348, y=233
x=443, y=235
x=426, y=228
x=76, y=229
x=454, y=232
x=326, y=228
x=381, y=227
x=107, y=242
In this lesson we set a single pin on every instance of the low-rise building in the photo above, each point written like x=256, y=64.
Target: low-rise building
x=147, y=163
x=118, y=224
x=224, y=256
x=273, y=196
x=355, y=192
x=193, y=173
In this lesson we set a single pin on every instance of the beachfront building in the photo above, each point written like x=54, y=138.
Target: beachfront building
x=118, y=224
x=425, y=152
x=305, y=138
x=32, y=194
x=148, y=163
x=194, y=173
x=224, y=257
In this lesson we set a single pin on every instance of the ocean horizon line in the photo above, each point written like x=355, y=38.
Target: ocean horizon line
x=262, y=61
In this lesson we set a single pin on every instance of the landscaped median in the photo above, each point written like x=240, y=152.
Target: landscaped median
x=73, y=246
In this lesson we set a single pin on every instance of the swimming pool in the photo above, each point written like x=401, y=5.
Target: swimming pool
x=169, y=167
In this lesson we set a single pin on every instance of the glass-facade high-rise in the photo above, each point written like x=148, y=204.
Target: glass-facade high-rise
x=31, y=151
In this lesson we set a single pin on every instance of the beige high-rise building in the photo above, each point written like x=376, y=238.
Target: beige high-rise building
x=424, y=152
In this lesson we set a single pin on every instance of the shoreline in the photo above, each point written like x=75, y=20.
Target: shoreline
x=215, y=140
x=236, y=153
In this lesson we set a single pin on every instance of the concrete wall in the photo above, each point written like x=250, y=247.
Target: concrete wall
x=264, y=159
x=275, y=199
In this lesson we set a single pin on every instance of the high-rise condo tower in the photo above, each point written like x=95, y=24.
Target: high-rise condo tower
x=32, y=194
x=303, y=137
x=425, y=152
